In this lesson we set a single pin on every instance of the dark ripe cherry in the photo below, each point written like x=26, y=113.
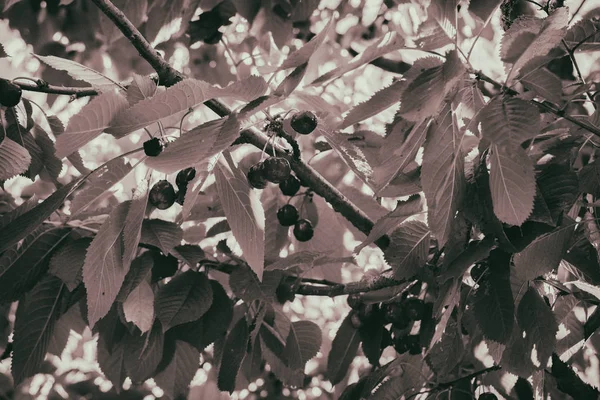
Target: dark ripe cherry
x=414, y=308
x=153, y=147
x=290, y=186
x=163, y=267
x=287, y=215
x=255, y=176
x=304, y=122
x=162, y=195
x=401, y=345
x=10, y=94
x=303, y=230
x=184, y=176
x=478, y=271
x=394, y=313
x=357, y=321
x=354, y=301
x=276, y=169
x=366, y=311
x=414, y=347
x=284, y=293
x=487, y=396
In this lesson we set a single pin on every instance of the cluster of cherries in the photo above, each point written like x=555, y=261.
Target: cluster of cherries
x=400, y=314
x=163, y=194
x=278, y=170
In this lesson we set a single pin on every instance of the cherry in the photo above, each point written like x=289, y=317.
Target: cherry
x=394, y=313
x=10, y=94
x=256, y=177
x=283, y=10
x=303, y=230
x=304, y=122
x=284, y=293
x=162, y=195
x=414, y=308
x=479, y=271
x=163, y=267
x=357, y=322
x=413, y=344
x=287, y=215
x=153, y=147
x=276, y=169
x=400, y=345
x=184, y=176
x=487, y=396
x=354, y=301
x=290, y=186
x=366, y=311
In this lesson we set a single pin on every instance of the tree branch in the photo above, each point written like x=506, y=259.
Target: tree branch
x=381, y=282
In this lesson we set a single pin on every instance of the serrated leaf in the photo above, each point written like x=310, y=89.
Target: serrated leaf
x=189, y=254
x=245, y=214
x=343, y=350
x=494, y=307
x=234, y=351
x=442, y=174
x=558, y=189
x=512, y=183
x=27, y=222
x=175, y=379
x=447, y=353
x=476, y=251
x=543, y=36
x=516, y=357
x=483, y=9
x=304, y=53
x=67, y=262
x=3, y=53
x=141, y=88
x=34, y=323
x=586, y=287
x=545, y=252
x=143, y=353
x=103, y=270
x=571, y=330
x=388, y=43
x=392, y=220
x=139, y=306
x=303, y=343
x=472, y=100
x=14, y=158
x=132, y=230
x=57, y=128
x=584, y=35
x=112, y=362
x=50, y=162
x=89, y=122
x=22, y=267
x=537, y=320
x=140, y=270
x=291, y=82
x=197, y=146
x=378, y=102
x=185, y=298
x=80, y=72
x=425, y=94
x=409, y=248
x=179, y=98
x=134, y=10
x=544, y=84
x=445, y=14
x=569, y=381
x=589, y=178
x=71, y=320
x=163, y=234
x=509, y=121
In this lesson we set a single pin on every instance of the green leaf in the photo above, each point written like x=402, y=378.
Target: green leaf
x=103, y=270
x=304, y=53
x=516, y=357
x=545, y=252
x=483, y=9
x=544, y=84
x=143, y=353
x=67, y=262
x=141, y=88
x=185, y=298
x=98, y=183
x=139, y=306
x=141, y=269
x=51, y=164
x=25, y=223
x=509, y=121
x=442, y=174
x=536, y=319
x=189, y=254
x=512, y=182
x=476, y=251
x=163, y=234
x=558, y=190
x=409, y=248
x=565, y=310
x=569, y=381
x=585, y=34
x=212, y=325
x=14, y=158
x=112, y=362
x=71, y=320
x=245, y=214
x=425, y=94
x=175, y=379
x=34, y=324
x=303, y=343
x=80, y=72
x=589, y=178
x=291, y=82
x=134, y=10
x=234, y=351
x=197, y=146
x=180, y=98
x=89, y=123
x=132, y=230
x=22, y=267
x=446, y=354
x=343, y=350
x=57, y=128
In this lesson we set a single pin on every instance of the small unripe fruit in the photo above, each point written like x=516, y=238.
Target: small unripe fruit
x=290, y=186
x=354, y=301
x=414, y=308
x=276, y=169
x=184, y=176
x=153, y=147
x=255, y=176
x=287, y=215
x=303, y=230
x=10, y=94
x=162, y=195
x=304, y=122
